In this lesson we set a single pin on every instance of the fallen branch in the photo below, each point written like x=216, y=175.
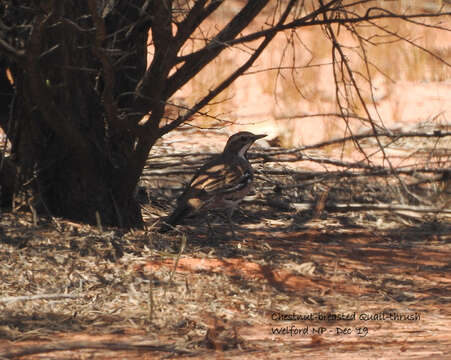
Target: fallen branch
x=369, y=207
x=9, y=299
x=392, y=135
x=303, y=174
x=389, y=134
x=374, y=172
x=83, y=345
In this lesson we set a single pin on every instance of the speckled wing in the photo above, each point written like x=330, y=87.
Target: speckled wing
x=222, y=178
x=218, y=184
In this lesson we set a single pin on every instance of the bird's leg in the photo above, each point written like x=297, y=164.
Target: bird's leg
x=211, y=232
x=229, y=220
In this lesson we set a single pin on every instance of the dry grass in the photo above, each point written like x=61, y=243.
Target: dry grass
x=288, y=264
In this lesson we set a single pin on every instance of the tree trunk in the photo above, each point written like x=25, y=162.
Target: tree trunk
x=65, y=177
x=71, y=147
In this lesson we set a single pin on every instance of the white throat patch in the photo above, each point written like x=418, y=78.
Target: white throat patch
x=243, y=150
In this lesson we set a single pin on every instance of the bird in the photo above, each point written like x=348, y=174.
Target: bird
x=220, y=184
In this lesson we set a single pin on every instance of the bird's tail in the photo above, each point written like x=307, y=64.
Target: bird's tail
x=179, y=213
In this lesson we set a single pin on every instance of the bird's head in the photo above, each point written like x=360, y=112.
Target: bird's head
x=239, y=143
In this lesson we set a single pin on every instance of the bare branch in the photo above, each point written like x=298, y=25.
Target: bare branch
x=392, y=135
x=198, y=60
x=309, y=20
x=377, y=207
x=11, y=51
x=108, y=69
x=213, y=45
x=150, y=90
x=194, y=18
x=241, y=70
x=435, y=56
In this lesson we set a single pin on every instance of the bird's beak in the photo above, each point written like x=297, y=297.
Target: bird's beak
x=256, y=137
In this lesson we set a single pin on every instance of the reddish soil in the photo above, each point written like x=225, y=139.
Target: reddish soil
x=226, y=298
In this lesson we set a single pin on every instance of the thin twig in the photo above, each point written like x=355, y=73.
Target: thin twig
x=10, y=299
x=182, y=248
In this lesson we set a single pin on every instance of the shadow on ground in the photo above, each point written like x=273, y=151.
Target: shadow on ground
x=136, y=294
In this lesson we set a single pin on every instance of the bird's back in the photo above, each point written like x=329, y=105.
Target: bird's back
x=220, y=184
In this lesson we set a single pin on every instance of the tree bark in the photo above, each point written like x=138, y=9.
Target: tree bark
x=71, y=149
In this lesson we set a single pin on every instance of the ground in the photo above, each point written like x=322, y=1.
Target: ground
x=226, y=298
x=73, y=291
